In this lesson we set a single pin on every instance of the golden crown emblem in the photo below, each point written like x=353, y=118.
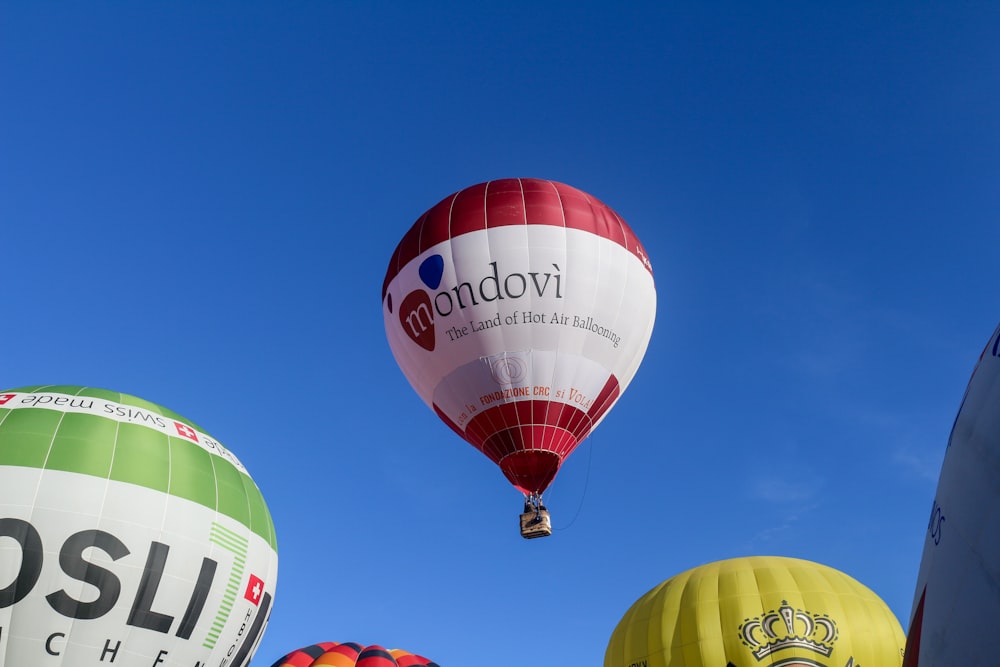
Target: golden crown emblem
x=786, y=628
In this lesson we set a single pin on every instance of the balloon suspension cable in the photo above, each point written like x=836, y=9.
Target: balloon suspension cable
x=586, y=485
x=533, y=503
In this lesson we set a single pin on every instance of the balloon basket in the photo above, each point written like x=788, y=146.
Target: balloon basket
x=536, y=523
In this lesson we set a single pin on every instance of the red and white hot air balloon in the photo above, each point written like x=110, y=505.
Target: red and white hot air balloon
x=519, y=310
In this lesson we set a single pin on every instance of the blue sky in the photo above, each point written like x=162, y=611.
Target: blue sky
x=198, y=202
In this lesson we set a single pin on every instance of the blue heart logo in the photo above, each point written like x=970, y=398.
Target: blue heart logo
x=431, y=270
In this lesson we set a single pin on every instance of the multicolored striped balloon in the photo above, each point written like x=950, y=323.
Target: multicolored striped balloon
x=128, y=536
x=519, y=310
x=332, y=654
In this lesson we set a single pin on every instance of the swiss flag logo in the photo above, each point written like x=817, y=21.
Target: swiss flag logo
x=255, y=588
x=6, y=397
x=186, y=431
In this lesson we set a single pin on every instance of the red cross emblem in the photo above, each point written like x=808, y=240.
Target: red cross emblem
x=186, y=431
x=255, y=588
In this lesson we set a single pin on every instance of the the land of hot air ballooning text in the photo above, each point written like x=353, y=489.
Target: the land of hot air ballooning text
x=532, y=318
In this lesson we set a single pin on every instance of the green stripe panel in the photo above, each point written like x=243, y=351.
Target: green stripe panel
x=197, y=483
x=260, y=518
x=142, y=458
x=233, y=498
x=83, y=444
x=100, y=447
x=26, y=435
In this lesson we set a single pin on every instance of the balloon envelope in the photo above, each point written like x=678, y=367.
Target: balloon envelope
x=754, y=611
x=128, y=536
x=332, y=654
x=957, y=596
x=519, y=310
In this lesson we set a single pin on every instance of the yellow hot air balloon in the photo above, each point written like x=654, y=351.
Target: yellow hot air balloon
x=756, y=611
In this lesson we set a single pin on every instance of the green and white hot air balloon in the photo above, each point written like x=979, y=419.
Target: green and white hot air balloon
x=128, y=536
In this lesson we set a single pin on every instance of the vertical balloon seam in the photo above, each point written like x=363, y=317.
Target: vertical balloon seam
x=649, y=607
x=530, y=430
x=32, y=519
x=509, y=419
x=539, y=407
x=850, y=611
x=595, y=240
x=519, y=430
x=658, y=598
x=260, y=514
x=693, y=589
x=861, y=641
x=578, y=426
x=885, y=616
x=705, y=648
x=629, y=633
x=676, y=589
x=570, y=420
x=598, y=237
x=711, y=587
x=100, y=519
x=451, y=199
x=70, y=633
x=540, y=425
x=757, y=594
x=425, y=237
x=802, y=580
x=565, y=411
x=727, y=579
x=576, y=422
x=486, y=416
x=496, y=418
x=560, y=407
x=510, y=427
